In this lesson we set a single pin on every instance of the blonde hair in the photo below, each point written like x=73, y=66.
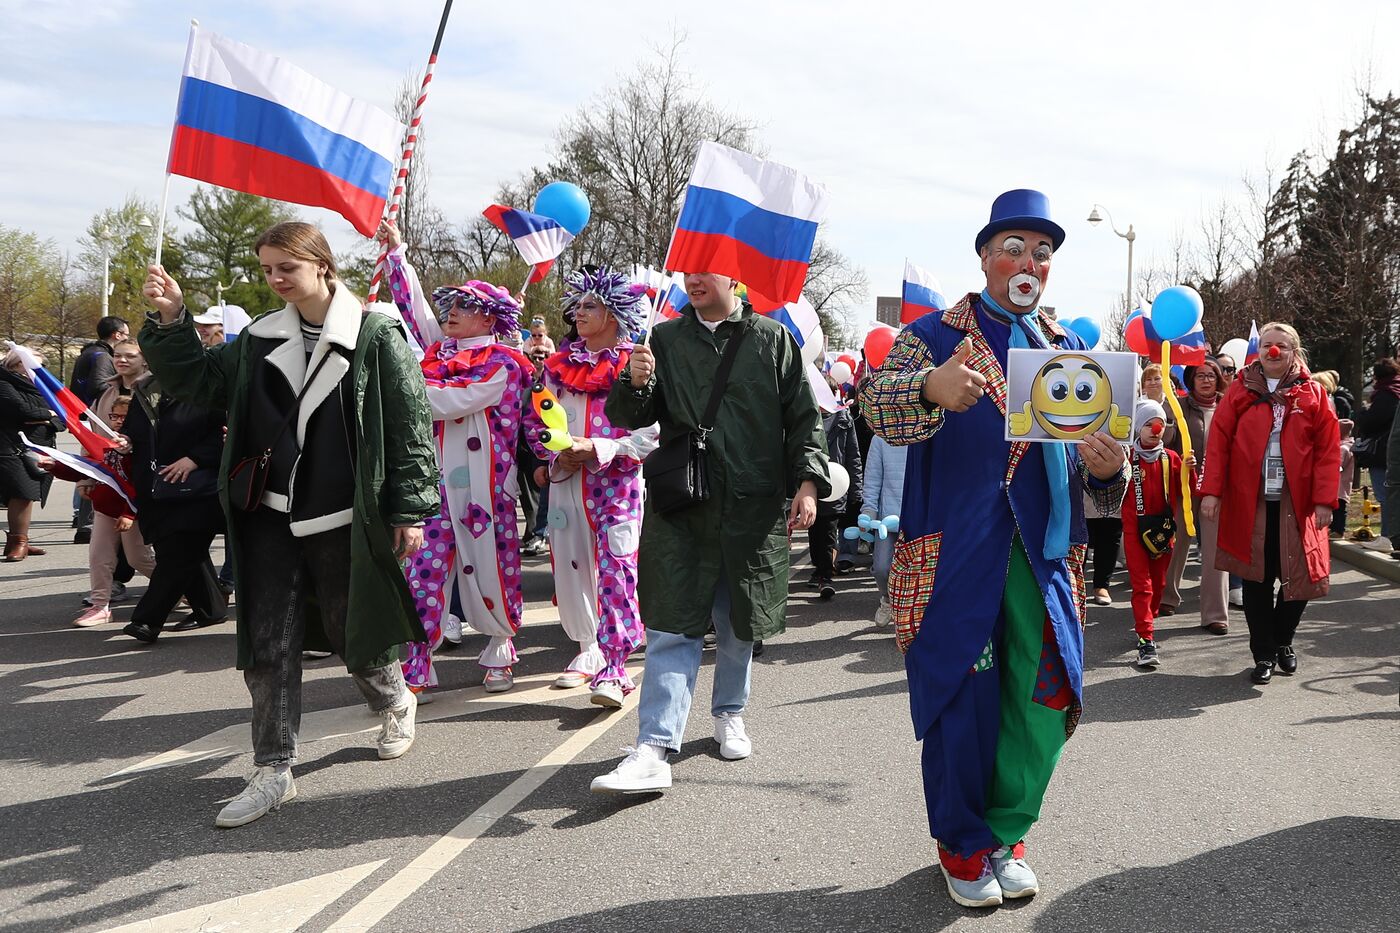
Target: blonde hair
x=302, y=240
x=1326, y=380
x=1292, y=334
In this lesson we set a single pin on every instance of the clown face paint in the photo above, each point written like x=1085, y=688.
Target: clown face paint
x=595, y=323
x=463, y=323
x=1017, y=266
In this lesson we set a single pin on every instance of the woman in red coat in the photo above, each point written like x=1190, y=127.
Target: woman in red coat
x=1272, y=460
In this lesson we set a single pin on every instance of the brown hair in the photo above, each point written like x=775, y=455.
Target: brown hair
x=302, y=240
x=121, y=401
x=1149, y=370
x=128, y=342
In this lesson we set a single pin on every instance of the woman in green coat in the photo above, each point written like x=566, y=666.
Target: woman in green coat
x=327, y=476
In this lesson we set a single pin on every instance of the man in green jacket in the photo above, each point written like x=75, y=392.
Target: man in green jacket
x=724, y=560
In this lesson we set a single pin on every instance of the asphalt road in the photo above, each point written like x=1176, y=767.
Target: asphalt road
x=1189, y=800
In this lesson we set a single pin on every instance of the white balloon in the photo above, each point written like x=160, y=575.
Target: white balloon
x=813, y=344
x=840, y=372
x=840, y=482
x=1235, y=349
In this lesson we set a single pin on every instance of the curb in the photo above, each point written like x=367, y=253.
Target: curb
x=1377, y=565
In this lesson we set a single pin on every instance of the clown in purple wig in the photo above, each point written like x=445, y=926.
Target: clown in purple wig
x=595, y=502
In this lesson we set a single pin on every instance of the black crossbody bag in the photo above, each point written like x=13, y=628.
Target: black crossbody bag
x=202, y=481
x=677, y=473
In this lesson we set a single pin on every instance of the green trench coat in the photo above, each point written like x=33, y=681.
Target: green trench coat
x=766, y=441
x=396, y=482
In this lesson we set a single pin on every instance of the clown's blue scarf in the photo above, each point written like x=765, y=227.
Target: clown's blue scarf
x=1026, y=335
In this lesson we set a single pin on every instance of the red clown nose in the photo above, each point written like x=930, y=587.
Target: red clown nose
x=1274, y=352
x=1157, y=427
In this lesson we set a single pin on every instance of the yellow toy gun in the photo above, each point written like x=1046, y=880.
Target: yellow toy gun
x=556, y=436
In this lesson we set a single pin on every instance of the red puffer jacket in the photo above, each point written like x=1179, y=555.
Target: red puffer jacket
x=1239, y=436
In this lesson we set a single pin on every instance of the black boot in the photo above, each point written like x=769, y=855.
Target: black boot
x=1263, y=672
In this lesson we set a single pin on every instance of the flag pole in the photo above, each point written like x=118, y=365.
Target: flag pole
x=409, y=144
x=165, y=191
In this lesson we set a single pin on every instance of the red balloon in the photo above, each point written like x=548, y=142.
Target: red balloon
x=849, y=360
x=877, y=345
x=1135, y=336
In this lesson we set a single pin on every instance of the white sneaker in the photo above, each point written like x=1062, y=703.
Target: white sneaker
x=983, y=892
x=452, y=629
x=885, y=614
x=607, y=694
x=498, y=680
x=1013, y=874
x=643, y=770
x=267, y=790
x=396, y=737
x=1237, y=598
x=733, y=741
x=93, y=617
x=570, y=679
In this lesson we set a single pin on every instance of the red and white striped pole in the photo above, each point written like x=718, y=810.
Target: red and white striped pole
x=409, y=144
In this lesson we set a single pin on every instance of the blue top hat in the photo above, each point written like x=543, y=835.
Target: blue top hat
x=1021, y=209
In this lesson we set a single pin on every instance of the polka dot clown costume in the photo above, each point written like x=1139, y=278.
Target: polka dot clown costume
x=596, y=511
x=469, y=568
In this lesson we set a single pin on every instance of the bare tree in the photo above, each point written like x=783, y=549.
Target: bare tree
x=70, y=313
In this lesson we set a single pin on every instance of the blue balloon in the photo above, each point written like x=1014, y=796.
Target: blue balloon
x=1086, y=328
x=1176, y=312
x=565, y=203
x=1179, y=374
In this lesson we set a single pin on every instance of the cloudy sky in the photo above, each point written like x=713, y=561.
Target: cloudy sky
x=915, y=115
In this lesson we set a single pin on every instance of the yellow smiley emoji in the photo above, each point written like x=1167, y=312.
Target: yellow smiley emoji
x=1071, y=398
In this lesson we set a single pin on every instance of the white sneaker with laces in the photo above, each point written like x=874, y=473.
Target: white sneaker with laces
x=885, y=614
x=1237, y=598
x=607, y=694
x=644, y=770
x=396, y=737
x=733, y=741
x=498, y=680
x=267, y=790
x=1013, y=874
x=570, y=679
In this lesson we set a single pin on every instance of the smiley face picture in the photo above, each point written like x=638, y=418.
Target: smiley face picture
x=1057, y=396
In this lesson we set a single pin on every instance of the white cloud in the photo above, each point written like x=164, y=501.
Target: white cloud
x=915, y=115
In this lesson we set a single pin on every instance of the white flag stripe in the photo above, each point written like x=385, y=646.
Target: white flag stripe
x=769, y=185
x=543, y=245
x=232, y=64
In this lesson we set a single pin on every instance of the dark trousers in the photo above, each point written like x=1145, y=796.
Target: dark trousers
x=1271, y=620
x=276, y=573
x=529, y=500
x=1104, y=536
x=124, y=573
x=183, y=568
x=1339, y=520
x=821, y=538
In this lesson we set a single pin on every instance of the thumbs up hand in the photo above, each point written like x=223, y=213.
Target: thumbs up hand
x=954, y=386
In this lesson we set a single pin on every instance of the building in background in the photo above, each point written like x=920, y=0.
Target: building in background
x=887, y=311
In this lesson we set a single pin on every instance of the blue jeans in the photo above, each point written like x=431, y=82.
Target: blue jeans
x=672, y=664
x=883, y=553
x=1378, y=477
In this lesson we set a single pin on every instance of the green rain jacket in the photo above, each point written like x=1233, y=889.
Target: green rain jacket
x=767, y=439
x=396, y=481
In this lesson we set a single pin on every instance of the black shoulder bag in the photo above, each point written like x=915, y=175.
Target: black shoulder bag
x=202, y=481
x=247, y=479
x=676, y=473
x=1158, y=532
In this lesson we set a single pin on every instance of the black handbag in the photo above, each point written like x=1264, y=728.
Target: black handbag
x=1158, y=532
x=677, y=472
x=248, y=477
x=202, y=481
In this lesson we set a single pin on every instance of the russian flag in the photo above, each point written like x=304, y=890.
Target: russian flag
x=255, y=123
x=1251, y=352
x=235, y=319
x=1190, y=348
x=750, y=219
x=922, y=294
x=539, y=239
x=67, y=406
x=113, y=479
x=800, y=318
x=671, y=299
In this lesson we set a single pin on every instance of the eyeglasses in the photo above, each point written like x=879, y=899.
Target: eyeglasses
x=1228, y=370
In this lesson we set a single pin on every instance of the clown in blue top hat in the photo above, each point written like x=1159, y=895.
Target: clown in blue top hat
x=989, y=607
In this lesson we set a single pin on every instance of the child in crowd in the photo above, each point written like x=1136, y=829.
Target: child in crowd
x=1348, y=474
x=1154, y=494
x=843, y=448
x=884, y=496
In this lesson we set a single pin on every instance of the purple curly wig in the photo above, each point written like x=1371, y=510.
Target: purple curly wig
x=492, y=299
x=627, y=300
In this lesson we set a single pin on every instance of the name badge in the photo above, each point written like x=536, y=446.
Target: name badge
x=1273, y=471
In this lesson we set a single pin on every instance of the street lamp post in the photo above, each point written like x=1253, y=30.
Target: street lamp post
x=220, y=287
x=104, y=236
x=1130, y=236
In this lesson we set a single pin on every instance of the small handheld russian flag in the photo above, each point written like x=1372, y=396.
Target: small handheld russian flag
x=539, y=239
x=922, y=293
x=1251, y=352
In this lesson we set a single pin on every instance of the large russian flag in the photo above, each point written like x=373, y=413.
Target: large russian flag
x=69, y=408
x=255, y=123
x=922, y=294
x=539, y=239
x=1190, y=348
x=749, y=219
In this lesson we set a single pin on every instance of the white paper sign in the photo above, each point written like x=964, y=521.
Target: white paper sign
x=1065, y=395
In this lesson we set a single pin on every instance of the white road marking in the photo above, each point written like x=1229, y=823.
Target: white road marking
x=382, y=901
x=283, y=908
x=352, y=720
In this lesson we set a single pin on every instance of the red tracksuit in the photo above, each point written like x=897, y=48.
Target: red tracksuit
x=1148, y=574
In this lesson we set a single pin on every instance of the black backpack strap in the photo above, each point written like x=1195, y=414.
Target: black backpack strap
x=726, y=364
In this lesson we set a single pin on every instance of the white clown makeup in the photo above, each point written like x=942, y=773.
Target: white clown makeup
x=1017, y=267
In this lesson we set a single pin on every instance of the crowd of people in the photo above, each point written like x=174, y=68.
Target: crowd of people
x=369, y=469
